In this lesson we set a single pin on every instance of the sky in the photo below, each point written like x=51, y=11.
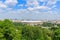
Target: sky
x=30, y=9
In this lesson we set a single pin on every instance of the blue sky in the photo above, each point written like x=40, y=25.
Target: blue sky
x=30, y=9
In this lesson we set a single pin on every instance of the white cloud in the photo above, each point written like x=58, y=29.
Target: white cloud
x=2, y=5
x=7, y=3
x=32, y=3
x=11, y=2
x=36, y=5
x=39, y=7
x=26, y=14
x=30, y=12
x=51, y=2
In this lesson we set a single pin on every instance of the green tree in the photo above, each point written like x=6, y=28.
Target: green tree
x=47, y=24
x=57, y=34
x=8, y=31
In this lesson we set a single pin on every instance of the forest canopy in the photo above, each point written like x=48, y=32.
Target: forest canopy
x=20, y=31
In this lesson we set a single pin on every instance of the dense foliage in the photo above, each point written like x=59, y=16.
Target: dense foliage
x=20, y=31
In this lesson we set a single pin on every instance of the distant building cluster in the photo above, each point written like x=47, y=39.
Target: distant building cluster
x=36, y=22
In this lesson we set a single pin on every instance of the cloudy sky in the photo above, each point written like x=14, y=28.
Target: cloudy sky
x=30, y=9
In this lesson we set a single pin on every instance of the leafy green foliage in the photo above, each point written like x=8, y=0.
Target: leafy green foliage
x=8, y=31
x=57, y=34
x=20, y=31
x=31, y=33
x=47, y=24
